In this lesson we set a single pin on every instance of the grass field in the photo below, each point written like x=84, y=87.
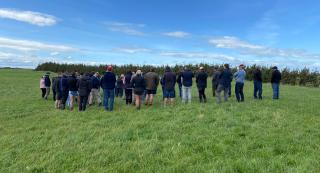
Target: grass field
x=254, y=136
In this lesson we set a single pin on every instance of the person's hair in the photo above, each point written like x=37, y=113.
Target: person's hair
x=139, y=72
x=226, y=66
x=73, y=74
x=152, y=69
x=168, y=69
x=81, y=73
x=129, y=72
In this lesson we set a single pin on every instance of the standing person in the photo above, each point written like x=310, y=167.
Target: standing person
x=201, y=81
x=73, y=90
x=138, y=83
x=84, y=87
x=128, y=87
x=64, y=90
x=108, y=83
x=186, y=78
x=152, y=81
x=179, y=81
x=169, y=81
x=240, y=77
x=120, y=86
x=133, y=96
x=95, y=89
x=257, y=83
x=42, y=87
x=47, y=83
x=57, y=87
x=215, y=80
x=225, y=79
x=275, y=81
x=53, y=87
x=162, y=88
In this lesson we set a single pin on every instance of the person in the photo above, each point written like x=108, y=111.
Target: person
x=84, y=88
x=257, y=83
x=133, y=96
x=73, y=90
x=179, y=81
x=201, y=80
x=186, y=78
x=275, y=81
x=138, y=83
x=64, y=90
x=57, y=87
x=108, y=83
x=152, y=81
x=120, y=86
x=47, y=83
x=95, y=89
x=240, y=77
x=225, y=79
x=215, y=80
x=42, y=87
x=162, y=88
x=169, y=81
x=53, y=87
x=128, y=87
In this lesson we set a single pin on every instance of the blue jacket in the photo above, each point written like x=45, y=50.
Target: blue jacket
x=47, y=81
x=95, y=82
x=108, y=81
x=225, y=78
x=64, y=84
x=201, y=80
x=240, y=76
x=187, y=78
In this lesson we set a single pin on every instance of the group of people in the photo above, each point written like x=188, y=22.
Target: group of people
x=137, y=87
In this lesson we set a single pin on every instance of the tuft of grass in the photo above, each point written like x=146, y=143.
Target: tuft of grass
x=254, y=136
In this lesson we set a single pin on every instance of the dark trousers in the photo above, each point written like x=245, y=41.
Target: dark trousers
x=43, y=92
x=239, y=91
x=257, y=85
x=83, y=103
x=202, y=95
x=54, y=93
x=214, y=88
x=64, y=98
x=229, y=92
x=180, y=91
x=119, y=92
x=128, y=93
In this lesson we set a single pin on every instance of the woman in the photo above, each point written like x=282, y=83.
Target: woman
x=128, y=87
x=42, y=87
x=138, y=84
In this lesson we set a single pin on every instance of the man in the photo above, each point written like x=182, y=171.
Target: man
x=95, y=89
x=108, y=82
x=128, y=87
x=152, y=81
x=53, y=87
x=47, y=83
x=138, y=83
x=169, y=81
x=240, y=77
x=73, y=90
x=225, y=79
x=179, y=81
x=57, y=87
x=215, y=80
x=186, y=78
x=201, y=81
x=275, y=81
x=64, y=90
x=84, y=87
x=257, y=83
x=120, y=86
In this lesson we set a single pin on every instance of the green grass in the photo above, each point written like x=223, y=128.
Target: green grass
x=254, y=136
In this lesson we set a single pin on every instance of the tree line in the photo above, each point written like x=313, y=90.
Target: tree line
x=303, y=77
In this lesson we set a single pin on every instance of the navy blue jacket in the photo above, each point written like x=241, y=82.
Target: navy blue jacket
x=169, y=81
x=47, y=81
x=95, y=82
x=64, y=84
x=276, y=77
x=187, y=78
x=108, y=81
x=201, y=80
x=225, y=78
x=72, y=83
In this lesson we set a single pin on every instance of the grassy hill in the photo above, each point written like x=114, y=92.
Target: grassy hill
x=254, y=136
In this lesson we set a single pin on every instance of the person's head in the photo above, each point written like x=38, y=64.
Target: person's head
x=73, y=74
x=186, y=68
x=274, y=68
x=109, y=68
x=96, y=74
x=241, y=66
x=201, y=68
x=167, y=69
x=226, y=66
x=122, y=76
x=152, y=69
x=139, y=72
x=258, y=68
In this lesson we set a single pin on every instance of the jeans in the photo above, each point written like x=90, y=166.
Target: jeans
x=180, y=91
x=186, y=94
x=119, y=92
x=108, y=99
x=225, y=90
x=275, y=89
x=257, y=89
x=83, y=103
x=239, y=91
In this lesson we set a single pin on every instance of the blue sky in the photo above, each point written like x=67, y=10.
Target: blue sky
x=273, y=32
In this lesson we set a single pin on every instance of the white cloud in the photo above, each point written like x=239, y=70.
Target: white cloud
x=132, y=50
x=126, y=28
x=199, y=55
x=31, y=17
x=27, y=45
x=54, y=53
x=177, y=34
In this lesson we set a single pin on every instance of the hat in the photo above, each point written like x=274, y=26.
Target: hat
x=138, y=72
x=109, y=68
x=241, y=65
x=275, y=67
x=201, y=68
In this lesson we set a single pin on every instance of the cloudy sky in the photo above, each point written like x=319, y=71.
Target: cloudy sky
x=273, y=32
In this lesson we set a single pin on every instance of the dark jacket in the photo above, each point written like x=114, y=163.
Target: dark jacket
x=225, y=78
x=138, y=83
x=169, y=81
x=120, y=83
x=47, y=81
x=84, y=86
x=179, y=79
x=64, y=84
x=257, y=75
x=57, y=85
x=216, y=78
x=95, y=82
x=72, y=83
x=187, y=78
x=201, y=80
x=152, y=80
x=276, y=76
x=54, y=83
x=127, y=81
x=108, y=81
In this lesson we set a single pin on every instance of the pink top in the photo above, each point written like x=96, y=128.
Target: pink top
x=42, y=84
